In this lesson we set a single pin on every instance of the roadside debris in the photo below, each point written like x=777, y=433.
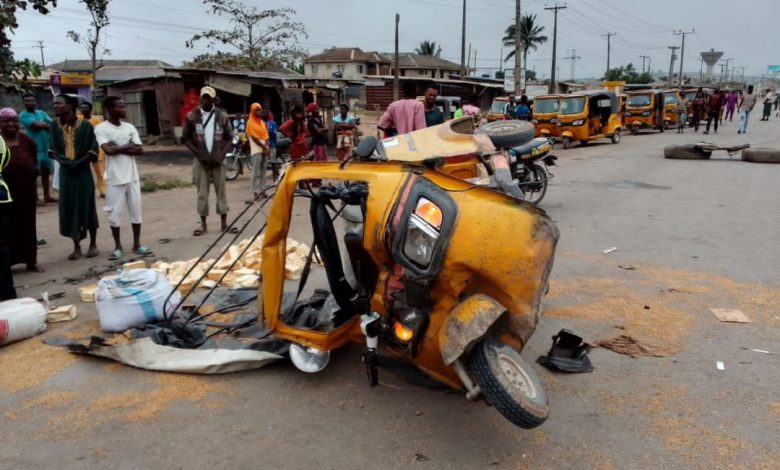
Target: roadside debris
x=699, y=151
x=567, y=354
x=730, y=315
x=61, y=314
x=132, y=299
x=627, y=267
x=762, y=351
x=87, y=293
x=720, y=365
x=21, y=319
x=609, y=250
x=630, y=346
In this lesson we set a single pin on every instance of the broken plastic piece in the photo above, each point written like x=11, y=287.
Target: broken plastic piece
x=609, y=250
x=567, y=354
x=720, y=365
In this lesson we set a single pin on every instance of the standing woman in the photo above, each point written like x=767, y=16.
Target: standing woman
x=345, y=127
x=7, y=290
x=295, y=129
x=73, y=144
x=258, y=143
x=20, y=174
x=318, y=132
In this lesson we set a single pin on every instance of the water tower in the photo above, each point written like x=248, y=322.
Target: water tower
x=711, y=58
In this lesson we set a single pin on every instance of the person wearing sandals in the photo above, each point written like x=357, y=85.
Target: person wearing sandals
x=74, y=146
x=207, y=133
x=121, y=143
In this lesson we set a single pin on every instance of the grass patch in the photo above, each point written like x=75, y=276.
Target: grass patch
x=150, y=185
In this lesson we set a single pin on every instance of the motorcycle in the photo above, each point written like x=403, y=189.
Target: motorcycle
x=529, y=165
x=406, y=274
x=237, y=157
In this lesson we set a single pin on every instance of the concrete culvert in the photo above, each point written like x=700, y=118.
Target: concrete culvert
x=761, y=155
x=686, y=152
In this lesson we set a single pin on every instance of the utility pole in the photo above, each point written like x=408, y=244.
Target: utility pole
x=725, y=76
x=468, y=62
x=722, y=66
x=396, y=77
x=609, y=48
x=463, y=45
x=682, y=51
x=475, y=62
x=555, y=9
x=644, y=58
x=671, y=64
x=701, y=68
x=742, y=67
x=573, y=57
x=41, y=47
x=518, y=49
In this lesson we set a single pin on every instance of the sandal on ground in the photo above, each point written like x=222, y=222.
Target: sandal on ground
x=93, y=252
x=143, y=250
x=74, y=256
x=198, y=232
x=116, y=255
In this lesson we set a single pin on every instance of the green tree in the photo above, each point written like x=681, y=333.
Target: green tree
x=530, y=75
x=628, y=74
x=259, y=37
x=98, y=10
x=429, y=48
x=530, y=34
x=14, y=72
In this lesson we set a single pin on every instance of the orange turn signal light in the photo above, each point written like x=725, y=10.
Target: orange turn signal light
x=429, y=212
x=403, y=333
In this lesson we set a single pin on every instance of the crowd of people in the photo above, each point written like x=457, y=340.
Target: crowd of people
x=718, y=106
x=68, y=153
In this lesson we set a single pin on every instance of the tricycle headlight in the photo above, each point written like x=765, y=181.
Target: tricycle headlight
x=646, y=113
x=423, y=232
x=534, y=121
x=629, y=114
x=553, y=121
x=578, y=122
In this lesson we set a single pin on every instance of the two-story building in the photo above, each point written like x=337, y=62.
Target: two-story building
x=349, y=63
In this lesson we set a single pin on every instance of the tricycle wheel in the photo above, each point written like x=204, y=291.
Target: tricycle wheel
x=508, y=134
x=634, y=130
x=616, y=137
x=567, y=143
x=533, y=183
x=509, y=384
x=232, y=166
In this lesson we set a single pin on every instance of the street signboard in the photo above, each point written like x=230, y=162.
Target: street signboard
x=509, y=81
x=773, y=70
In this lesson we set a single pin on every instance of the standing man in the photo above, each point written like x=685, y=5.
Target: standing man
x=405, y=115
x=510, y=110
x=99, y=166
x=523, y=109
x=318, y=133
x=37, y=125
x=74, y=146
x=746, y=105
x=714, y=105
x=121, y=143
x=272, y=128
x=207, y=134
x=433, y=115
x=345, y=127
x=768, y=101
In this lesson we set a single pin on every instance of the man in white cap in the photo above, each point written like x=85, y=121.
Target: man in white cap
x=207, y=134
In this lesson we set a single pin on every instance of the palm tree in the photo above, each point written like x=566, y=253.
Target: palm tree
x=429, y=48
x=530, y=34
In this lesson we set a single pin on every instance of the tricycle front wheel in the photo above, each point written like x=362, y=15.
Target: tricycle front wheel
x=509, y=384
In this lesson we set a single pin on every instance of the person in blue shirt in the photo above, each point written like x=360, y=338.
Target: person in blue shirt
x=344, y=124
x=37, y=125
x=523, y=109
x=270, y=124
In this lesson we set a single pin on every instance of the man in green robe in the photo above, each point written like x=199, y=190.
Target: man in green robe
x=73, y=144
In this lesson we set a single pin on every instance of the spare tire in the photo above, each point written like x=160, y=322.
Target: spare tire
x=761, y=155
x=508, y=134
x=686, y=152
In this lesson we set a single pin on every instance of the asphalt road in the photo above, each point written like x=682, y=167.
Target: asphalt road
x=690, y=236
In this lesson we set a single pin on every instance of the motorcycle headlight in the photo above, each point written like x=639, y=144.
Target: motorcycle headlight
x=423, y=232
x=578, y=122
x=534, y=121
x=646, y=113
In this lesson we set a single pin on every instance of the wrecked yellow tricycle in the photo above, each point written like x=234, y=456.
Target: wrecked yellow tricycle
x=442, y=273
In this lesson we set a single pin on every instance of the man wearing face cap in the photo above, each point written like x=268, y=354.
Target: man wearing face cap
x=207, y=134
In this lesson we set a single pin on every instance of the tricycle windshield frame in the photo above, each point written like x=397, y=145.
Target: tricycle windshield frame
x=572, y=105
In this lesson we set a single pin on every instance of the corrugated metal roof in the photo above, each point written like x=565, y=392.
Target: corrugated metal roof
x=86, y=65
x=347, y=54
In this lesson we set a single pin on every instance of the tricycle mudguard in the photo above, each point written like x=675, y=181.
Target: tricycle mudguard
x=568, y=134
x=469, y=321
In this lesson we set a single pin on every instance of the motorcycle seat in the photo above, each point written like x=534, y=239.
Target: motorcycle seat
x=533, y=148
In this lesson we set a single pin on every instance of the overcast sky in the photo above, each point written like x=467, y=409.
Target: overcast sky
x=157, y=29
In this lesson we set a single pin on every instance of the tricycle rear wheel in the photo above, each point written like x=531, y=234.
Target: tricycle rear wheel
x=509, y=383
